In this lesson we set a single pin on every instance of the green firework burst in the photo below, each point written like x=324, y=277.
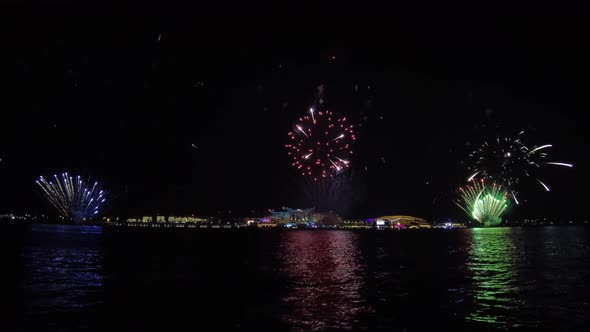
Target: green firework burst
x=483, y=203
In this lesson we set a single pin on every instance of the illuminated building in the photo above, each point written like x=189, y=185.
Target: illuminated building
x=355, y=224
x=266, y=225
x=449, y=225
x=170, y=219
x=175, y=219
x=288, y=215
x=401, y=222
x=253, y=221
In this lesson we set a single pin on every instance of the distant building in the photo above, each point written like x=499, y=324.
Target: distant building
x=250, y=221
x=449, y=225
x=288, y=215
x=401, y=222
x=266, y=225
x=355, y=224
x=170, y=219
x=183, y=220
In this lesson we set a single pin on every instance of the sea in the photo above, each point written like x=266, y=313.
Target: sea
x=94, y=278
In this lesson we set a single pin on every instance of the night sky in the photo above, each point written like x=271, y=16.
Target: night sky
x=123, y=93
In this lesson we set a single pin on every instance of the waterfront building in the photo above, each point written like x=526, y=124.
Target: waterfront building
x=266, y=225
x=288, y=215
x=448, y=225
x=354, y=224
x=170, y=219
x=176, y=219
x=401, y=222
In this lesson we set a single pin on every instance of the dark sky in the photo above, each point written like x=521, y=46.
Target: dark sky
x=120, y=93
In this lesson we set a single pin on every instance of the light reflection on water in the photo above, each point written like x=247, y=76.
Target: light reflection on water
x=529, y=278
x=470, y=279
x=492, y=260
x=322, y=272
x=64, y=268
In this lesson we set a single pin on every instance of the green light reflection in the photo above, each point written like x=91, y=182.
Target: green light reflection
x=491, y=264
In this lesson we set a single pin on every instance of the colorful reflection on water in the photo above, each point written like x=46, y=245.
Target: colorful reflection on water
x=323, y=277
x=64, y=268
x=75, y=277
x=492, y=259
x=527, y=278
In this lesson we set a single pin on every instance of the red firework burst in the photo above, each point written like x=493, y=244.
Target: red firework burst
x=320, y=144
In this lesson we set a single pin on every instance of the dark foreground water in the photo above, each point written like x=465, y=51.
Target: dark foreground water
x=64, y=278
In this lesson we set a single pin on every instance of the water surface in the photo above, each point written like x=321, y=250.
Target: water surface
x=92, y=278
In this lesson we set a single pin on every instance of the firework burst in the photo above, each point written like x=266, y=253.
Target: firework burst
x=320, y=144
x=72, y=197
x=508, y=161
x=483, y=203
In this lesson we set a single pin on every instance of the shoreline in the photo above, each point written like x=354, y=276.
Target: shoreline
x=173, y=226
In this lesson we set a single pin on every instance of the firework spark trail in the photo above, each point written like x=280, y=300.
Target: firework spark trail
x=544, y=185
x=560, y=164
x=301, y=130
x=540, y=148
x=472, y=176
x=71, y=197
x=515, y=200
